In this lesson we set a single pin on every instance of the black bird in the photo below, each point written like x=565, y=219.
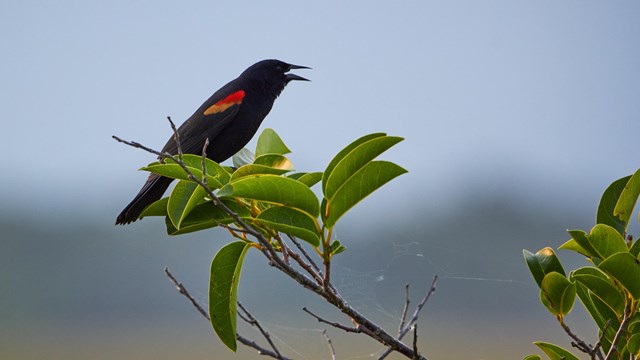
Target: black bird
x=229, y=118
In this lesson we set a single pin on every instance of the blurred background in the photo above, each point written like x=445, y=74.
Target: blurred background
x=517, y=115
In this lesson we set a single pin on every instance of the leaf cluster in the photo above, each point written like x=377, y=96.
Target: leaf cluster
x=270, y=197
x=608, y=287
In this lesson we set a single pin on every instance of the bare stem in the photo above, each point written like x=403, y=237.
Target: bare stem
x=405, y=309
x=253, y=322
x=416, y=354
x=283, y=248
x=416, y=312
x=176, y=137
x=262, y=351
x=304, y=253
x=597, y=348
x=414, y=318
x=203, y=162
x=621, y=329
x=332, y=323
x=183, y=291
x=333, y=351
x=577, y=342
x=308, y=268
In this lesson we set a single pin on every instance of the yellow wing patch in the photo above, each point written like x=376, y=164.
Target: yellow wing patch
x=224, y=104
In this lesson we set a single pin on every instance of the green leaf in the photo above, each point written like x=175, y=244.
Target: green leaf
x=627, y=200
x=336, y=159
x=365, y=181
x=276, y=190
x=585, y=298
x=274, y=161
x=243, y=157
x=291, y=221
x=308, y=179
x=158, y=208
x=532, y=357
x=635, y=248
x=555, y=352
x=542, y=262
x=574, y=246
x=633, y=345
x=253, y=169
x=634, y=324
x=324, y=210
x=558, y=294
x=582, y=239
x=270, y=143
x=625, y=269
x=608, y=203
x=355, y=160
x=184, y=197
x=600, y=285
x=216, y=175
x=208, y=215
x=607, y=314
x=336, y=248
x=606, y=241
x=223, y=290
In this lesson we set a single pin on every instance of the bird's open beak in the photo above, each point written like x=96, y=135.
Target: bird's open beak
x=294, y=76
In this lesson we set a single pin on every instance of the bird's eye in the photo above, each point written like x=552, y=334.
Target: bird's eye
x=279, y=68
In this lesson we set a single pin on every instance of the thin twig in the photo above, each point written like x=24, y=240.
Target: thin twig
x=304, y=253
x=405, y=309
x=308, y=268
x=416, y=354
x=176, y=137
x=577, y=342
x=253, y=322
x=597, y=348
x=244, y=318
x=621, y=329
x=232, y=228
x=203, y=163
x=414, y=317
x=140, y=146
x=183, y=291
x=283, y=248
x=416, y=313
x=334, y=324
x=333, y=351
x=260, y=349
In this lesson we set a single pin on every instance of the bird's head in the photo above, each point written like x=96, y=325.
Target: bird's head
x=273, y=74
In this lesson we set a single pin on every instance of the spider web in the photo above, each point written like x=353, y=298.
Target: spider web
x=366, y=291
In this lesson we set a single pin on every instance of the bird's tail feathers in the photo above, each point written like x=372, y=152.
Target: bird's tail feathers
x=151, y=192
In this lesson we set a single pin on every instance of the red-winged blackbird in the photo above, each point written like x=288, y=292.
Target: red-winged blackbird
x=229, y=118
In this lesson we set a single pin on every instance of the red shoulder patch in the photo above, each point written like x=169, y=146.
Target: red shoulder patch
x=224, y=104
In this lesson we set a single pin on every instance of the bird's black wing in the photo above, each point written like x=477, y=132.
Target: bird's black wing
x=208, y=121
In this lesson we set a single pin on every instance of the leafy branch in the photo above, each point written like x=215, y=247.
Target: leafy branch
x=261, y=199
x=608, y=288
